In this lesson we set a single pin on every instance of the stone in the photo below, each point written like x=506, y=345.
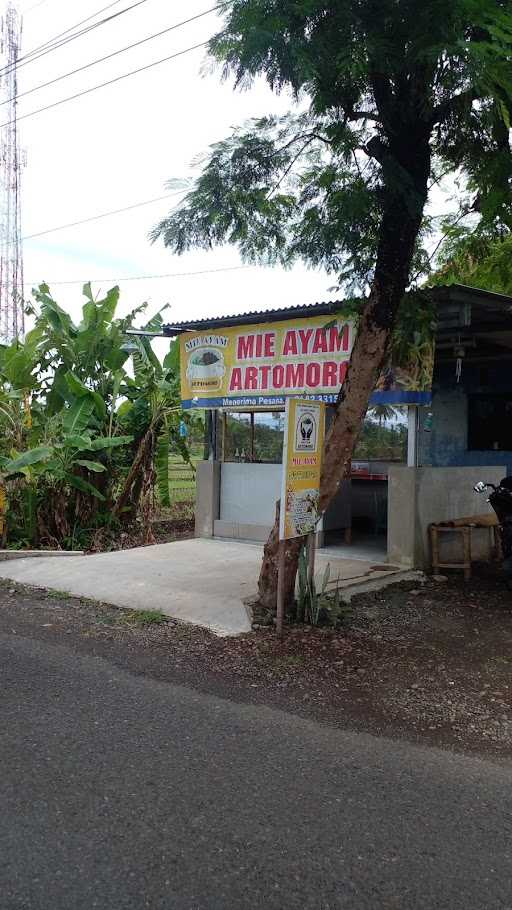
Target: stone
x=439, y=579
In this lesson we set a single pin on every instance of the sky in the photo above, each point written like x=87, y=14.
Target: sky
x=119, y=146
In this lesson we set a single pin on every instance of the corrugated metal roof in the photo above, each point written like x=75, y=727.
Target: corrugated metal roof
x=444, y=295
x=253, y=317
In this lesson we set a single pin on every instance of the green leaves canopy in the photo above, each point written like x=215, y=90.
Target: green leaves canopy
x=389, y=85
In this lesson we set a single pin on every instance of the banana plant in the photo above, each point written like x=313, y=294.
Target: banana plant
x=87, y=414
x=154, y=392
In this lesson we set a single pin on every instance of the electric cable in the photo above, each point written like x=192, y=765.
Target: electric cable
x=94, y=88
x=231, y=268
x=73, y=27
x=122, y=50
x=33, y=55
x=127, y=208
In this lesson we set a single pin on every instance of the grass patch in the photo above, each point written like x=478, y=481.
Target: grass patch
x=145, y=618
x=289, y=660
x=183, y=495
x=57, y=595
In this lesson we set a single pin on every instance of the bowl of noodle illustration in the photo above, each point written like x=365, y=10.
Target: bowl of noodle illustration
x=204, y=364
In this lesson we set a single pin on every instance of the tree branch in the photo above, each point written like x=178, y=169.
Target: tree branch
x=383, y=94
x=456, y=103
x=309, y=136
x=437, y=247
x=375, y=148
x=288, y=169
x=357, y=163
x=362, y=115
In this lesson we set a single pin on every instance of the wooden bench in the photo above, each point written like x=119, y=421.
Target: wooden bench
x=464, y=527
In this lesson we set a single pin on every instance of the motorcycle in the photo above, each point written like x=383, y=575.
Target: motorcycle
x=500, y=498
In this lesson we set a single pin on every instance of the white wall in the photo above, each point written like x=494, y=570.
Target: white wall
x=249, y=492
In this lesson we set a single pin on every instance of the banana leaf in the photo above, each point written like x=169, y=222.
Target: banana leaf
x=93, y=466
x=75, y=419
x=109, y=442
x=84, y=486
x=33, y=456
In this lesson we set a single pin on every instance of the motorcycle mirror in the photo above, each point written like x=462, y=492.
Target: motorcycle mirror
x=480, y=487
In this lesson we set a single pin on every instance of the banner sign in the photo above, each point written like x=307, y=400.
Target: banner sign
x=264, y=365
x=302, y=463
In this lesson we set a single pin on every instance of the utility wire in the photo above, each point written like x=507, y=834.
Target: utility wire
x=35, y=6
x=71, y=32
x=36, y=54
x=232, y=268
x=122, y=50
x=127, y=208
x=94, y=88
x=73, y=27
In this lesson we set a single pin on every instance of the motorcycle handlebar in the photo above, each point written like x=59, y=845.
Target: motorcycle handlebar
x=481, y=487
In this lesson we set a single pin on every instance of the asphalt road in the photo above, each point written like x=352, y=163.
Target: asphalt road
x=117, y=791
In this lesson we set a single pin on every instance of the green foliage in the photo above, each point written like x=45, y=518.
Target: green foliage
x=83, y=485
x=145, y=618
x=27, y=459
x=481, y=259
x=268, y=439
x=77, y=417
x=387, y=96
x=380, y=440
x=102, y=443
x=315, y=605
x=70, y=446
x=93, y=466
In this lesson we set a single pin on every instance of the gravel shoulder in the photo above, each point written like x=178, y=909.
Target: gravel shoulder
x=430, y=664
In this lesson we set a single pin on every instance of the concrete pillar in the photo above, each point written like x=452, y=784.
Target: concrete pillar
x=207, y=497
x=412, y=436
x=401, y=515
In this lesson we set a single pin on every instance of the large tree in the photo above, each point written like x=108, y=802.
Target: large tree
x=386, y=96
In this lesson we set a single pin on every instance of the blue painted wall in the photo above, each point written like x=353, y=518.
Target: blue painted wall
x=446, y=445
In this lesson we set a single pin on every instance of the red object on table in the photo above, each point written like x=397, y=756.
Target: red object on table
x=361, y=471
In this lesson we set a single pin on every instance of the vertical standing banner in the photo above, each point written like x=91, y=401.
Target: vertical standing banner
x=302, y=463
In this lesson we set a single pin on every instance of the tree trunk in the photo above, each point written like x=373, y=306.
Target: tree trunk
x=399, y=231
x=132, y=486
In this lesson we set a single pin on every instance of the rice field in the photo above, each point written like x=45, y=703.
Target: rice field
x=182, y=478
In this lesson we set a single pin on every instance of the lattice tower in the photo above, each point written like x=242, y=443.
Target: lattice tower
x=12, y=316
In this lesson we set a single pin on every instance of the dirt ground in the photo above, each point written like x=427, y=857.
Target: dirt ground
x=166, y=527
x=429, y=663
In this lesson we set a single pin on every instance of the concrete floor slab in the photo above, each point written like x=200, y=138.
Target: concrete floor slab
x=198, y=581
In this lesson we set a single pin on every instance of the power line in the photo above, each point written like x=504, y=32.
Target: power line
x=127, y=208
x=94, y=88
x=54, y=44
x=73, y=27
x=233, y=268
x=122, y=50
x=35, y=6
